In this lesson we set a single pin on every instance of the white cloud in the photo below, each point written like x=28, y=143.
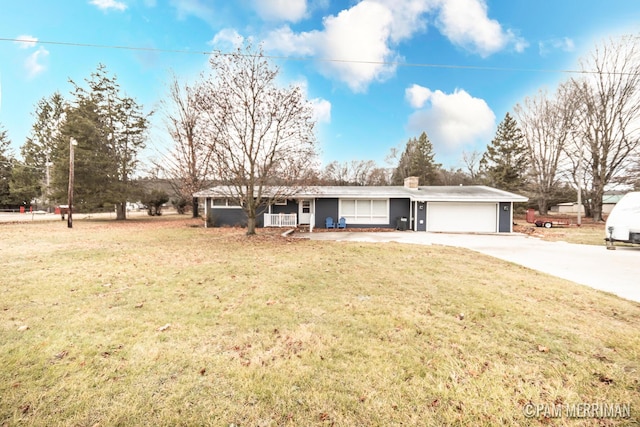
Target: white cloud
x=33, y=63
x=409, y=16
x=519, y=44
x=359, y=35
x=26, y=41
x=285, y=41
x=321, y=110
x=417, y=95
x=564, y=44
x=198, y=8
x=281, y=10
x=466, y=24
x=357, y=46
x=227, y=38
x=450, y=120
x=109, y=4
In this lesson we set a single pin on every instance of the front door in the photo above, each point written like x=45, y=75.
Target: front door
x=305, y=209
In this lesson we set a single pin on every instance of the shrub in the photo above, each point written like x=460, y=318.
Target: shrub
x=154, y=201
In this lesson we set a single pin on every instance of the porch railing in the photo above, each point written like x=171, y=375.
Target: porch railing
x=280, y=220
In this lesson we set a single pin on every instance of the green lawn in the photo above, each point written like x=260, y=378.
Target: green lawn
x=158, y=321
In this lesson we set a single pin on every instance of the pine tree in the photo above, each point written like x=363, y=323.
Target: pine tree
x=25, y=184
x=38, y=150
x=109, y=128
x=423, y=163
x=504, y=164
x=6, y=168
x=417, y=159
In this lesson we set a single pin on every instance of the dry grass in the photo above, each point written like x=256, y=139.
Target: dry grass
x=161, y=322
x=588, y=233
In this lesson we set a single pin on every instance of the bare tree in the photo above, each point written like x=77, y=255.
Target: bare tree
x=379, y=176
x=362, y=170
x=471, y=161
x=188, y=165
x=454, y=176
x=261, y=135
x=355, y=172
x=546, y=124
x=633, y=178
x=337, y=173
x=609, y=114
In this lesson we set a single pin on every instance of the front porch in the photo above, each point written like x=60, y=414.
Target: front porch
x=287, y=220
x=280, y=220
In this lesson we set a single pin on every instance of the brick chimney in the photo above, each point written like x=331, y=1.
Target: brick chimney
x=411, y=182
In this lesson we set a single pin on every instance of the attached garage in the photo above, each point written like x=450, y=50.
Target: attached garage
x=461, y=217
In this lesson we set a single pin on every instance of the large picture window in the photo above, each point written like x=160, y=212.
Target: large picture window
x=365, y=211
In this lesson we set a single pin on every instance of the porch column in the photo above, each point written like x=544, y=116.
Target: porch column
x=412, y=216
x=207, y=200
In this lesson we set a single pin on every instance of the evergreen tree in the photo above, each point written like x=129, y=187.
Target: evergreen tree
x=109, y=128
x=504, y=164
x=417, y=159
x=25, y=184
x=38, y=150
x=6, y=168
x=423, y=163
x=93, y=165
x=403, y=170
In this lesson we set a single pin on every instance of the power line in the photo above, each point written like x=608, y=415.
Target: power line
x=333, y=60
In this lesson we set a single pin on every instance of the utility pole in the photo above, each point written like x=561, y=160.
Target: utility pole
x=580, y=173
x=72, y=143
x=46, y=191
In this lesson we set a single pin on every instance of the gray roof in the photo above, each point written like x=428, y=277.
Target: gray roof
x=611, y=198
x=467, y=193
x=462, y=193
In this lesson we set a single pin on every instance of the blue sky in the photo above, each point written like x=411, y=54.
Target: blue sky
x=378, y=71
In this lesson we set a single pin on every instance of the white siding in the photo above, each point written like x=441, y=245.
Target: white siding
x=462, y=217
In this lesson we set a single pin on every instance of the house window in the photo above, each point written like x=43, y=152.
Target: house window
x=224, y=202
x=306, y=206
x=365, y=211
x=280, y=202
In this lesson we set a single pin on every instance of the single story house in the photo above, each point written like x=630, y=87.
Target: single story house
x=475, y=208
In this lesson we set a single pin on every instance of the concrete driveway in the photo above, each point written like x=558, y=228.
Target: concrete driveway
x=617, y=272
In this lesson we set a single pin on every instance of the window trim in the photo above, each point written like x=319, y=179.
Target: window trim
x=229, y=203
x=360, y=218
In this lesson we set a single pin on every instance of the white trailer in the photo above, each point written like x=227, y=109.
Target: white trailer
x=623, y=223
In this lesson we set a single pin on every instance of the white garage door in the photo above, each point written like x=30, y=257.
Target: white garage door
x=462, y=217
